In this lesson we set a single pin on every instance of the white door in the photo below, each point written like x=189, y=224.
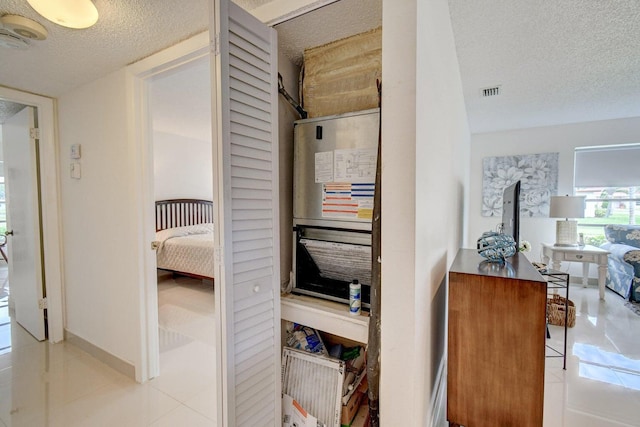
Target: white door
x=244, y=92
x=20, y=153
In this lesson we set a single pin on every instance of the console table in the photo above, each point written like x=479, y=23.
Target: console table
x=496, y=342
x=584, y=254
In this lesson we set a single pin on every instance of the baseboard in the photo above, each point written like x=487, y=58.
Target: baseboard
x=439, y=398
x=122, y=366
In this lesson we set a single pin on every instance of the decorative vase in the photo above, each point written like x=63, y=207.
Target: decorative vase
x=495, y=247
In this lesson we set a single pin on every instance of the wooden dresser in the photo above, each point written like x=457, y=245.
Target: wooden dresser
x=496, y=348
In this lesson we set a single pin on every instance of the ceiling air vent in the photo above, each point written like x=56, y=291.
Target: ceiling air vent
x=12, y=41
x=491, y=91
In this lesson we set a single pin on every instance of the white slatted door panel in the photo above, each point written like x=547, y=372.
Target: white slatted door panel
x=249, y=163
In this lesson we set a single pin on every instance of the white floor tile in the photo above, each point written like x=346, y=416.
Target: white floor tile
x=184, y=416
x=204, y=402
x=186, y=371
x=127, y=404
x=42, y=392
x=601, y=385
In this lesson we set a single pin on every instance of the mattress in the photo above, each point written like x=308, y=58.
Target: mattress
x=186, y=249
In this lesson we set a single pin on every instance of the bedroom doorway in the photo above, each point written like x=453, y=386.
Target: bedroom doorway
x=31, y=177
x=22, y=243
x=179, y=125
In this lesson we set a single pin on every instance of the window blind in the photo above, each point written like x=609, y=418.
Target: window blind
x=607, y=166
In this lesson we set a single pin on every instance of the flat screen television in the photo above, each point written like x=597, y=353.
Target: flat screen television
x=511, y=212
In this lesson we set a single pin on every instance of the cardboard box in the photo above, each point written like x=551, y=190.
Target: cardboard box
x=340, y=77
x=362, y=417
x=357, y=416
x=351, y=408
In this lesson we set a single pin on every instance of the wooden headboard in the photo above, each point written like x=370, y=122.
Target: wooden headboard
x=182, y=212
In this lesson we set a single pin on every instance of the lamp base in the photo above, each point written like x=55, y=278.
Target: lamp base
x=567, y=233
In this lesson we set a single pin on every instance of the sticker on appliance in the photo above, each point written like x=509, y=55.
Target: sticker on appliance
x=347, y=200
x=355, y=165
x=324, y=167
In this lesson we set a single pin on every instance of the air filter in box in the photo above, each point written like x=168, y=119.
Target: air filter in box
x=327, y=260
x=315, y=382
x=340, y=261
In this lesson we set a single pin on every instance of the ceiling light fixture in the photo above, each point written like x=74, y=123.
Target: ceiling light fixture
x=68, y=13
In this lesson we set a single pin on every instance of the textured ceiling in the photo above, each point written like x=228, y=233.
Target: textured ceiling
x=557, y=62
x=561, y=61
x=126, y=31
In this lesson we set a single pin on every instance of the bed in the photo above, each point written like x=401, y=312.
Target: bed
x=184, y=237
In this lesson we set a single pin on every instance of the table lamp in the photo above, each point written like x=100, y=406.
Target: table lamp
x=567, y=207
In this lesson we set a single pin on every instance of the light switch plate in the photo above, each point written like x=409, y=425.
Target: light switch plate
x=75, y=151
x=75, y=170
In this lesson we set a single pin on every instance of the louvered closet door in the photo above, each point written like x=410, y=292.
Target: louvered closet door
x=247, y=160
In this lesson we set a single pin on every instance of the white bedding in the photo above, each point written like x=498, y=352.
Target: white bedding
x=186, y=249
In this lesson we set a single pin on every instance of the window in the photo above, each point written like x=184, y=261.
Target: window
x=609, y=177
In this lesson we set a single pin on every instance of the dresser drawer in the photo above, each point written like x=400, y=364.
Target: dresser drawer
x=572, y=256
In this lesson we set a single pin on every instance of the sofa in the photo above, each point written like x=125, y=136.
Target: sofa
x=623, y=276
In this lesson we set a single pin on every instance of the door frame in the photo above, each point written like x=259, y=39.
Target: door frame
x=50, y=205
x=138, y=78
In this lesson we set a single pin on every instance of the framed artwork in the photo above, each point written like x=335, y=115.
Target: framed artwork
x=538, y=175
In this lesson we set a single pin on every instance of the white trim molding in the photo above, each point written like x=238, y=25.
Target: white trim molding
x=438, y=402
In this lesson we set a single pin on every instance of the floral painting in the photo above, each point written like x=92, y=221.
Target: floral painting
x=538, y=176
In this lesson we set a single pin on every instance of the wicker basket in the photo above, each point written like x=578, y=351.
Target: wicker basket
x=556, y=311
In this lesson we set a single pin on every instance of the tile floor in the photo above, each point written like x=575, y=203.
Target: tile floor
x=601, y=386
x=59, y=385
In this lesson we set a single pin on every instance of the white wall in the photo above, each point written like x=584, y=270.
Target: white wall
x=425, y=154
x=99, y=232
x=182, y=167
x=561, y=139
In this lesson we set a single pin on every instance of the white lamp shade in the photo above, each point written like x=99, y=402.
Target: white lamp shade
x=68, y=13
x=567, y=207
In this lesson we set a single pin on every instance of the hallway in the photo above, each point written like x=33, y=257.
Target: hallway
x=43, y=384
